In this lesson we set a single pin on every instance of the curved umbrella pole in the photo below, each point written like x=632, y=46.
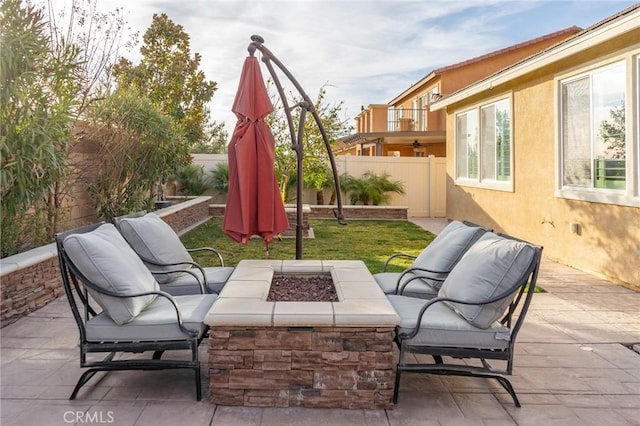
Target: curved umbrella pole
x=296, y=140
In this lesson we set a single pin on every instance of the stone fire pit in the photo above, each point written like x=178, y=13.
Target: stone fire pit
x=309, y=354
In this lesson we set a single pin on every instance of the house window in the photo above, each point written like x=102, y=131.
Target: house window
x=598, y=155
x=593, y=129
x=496, y=141
x=483, y=146
x=467, y=145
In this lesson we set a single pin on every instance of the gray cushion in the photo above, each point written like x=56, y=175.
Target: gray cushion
x=492, y=266
x=157, y=322
x=446, y=250
x=107, y=261
x=152, y=238
x=186, y=284
x=421, y=288
x=441, y=326
x=441, y=254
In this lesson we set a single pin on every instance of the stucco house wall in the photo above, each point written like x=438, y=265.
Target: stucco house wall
x=605, y=237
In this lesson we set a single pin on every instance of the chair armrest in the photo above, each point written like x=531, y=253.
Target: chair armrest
x=395, y=256
x=400, y=288
x=160, y=293
x=201, y=282
x=435, y=300
x=209, y=249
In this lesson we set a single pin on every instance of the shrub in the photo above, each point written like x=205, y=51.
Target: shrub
x=370, y=188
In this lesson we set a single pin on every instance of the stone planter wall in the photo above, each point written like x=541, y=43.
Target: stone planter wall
x=30, y=280
x=217, y=210
x=326, y=212
x=361, y=212
x=318, y=367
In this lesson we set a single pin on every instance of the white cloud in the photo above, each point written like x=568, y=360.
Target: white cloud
x=367, y=51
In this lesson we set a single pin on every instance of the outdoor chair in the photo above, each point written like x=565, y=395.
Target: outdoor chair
x=429, y=269
x=120, y=309
x=476, y=315
x=160, y=248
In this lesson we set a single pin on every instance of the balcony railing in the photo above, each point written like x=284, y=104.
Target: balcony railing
x=407, y=120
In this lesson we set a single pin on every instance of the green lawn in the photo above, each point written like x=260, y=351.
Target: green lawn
x=371, y=241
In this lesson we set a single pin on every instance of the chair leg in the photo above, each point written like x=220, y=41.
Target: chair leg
x=86, y=376
x=198, y=384
x=157, y=354
x=396, y=386
x=506, y=384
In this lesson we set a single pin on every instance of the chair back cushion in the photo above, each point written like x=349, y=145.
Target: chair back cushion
x=153, y=239
x=107, y=261
x=446, y=250
x=492, y=266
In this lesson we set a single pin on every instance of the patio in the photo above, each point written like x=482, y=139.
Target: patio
x=571, y=368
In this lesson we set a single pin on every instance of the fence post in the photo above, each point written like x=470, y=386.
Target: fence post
x=431, y=185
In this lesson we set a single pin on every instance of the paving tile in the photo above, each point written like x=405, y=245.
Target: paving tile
x=413, y=408
x=480, y=406
x=631, y=415
x=600, y=416
x=41, y=413
x=624, y=401
x=171, y=413
x=311, y=417
x=246, y=416
x=119, y=414
x=536, y=415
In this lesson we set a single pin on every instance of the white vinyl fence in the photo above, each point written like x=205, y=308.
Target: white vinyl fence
x=424, y=179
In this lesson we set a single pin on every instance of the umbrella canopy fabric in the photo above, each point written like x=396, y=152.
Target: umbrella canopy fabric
x=254, y=205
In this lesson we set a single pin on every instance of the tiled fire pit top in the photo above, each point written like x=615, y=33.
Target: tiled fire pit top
x=243, y=301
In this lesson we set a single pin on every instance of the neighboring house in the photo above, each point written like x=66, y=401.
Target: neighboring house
x=548, y=149
x=407, y=126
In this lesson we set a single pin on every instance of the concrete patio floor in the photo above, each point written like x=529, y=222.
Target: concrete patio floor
x=573, y=367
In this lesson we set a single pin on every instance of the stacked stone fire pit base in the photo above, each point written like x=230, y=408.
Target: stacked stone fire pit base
x=302, y=354
x=288, y=367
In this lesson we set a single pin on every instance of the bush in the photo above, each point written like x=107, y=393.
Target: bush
x=192, y=180
x=138, y=147
x=370, y=188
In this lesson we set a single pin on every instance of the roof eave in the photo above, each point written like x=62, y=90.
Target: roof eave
x=413, y=87
x=569, y=47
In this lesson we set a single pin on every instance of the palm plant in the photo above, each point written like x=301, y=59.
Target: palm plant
x=193, y=180
x=370, y=189
x=220, y=178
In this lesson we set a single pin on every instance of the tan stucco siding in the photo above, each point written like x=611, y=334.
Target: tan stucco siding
x=608, y=242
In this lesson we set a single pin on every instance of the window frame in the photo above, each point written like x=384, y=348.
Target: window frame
x=630, y=195
x=480, y=181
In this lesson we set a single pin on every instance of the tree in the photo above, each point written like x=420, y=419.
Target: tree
x=170, y=77
x=38, y=101
x=137, y=147
x=370, y=188
x=612, y=132
x=100, y=38
x=215, y=141
x=315, y=163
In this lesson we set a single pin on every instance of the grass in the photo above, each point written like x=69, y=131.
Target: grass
x=371, y=241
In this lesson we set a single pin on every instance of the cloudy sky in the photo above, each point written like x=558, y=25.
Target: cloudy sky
x=366, y=51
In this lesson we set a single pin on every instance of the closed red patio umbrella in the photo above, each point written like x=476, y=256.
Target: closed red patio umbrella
x=254, y=205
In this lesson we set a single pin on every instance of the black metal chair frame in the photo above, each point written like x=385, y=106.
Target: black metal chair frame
x=75, y=282
x=524, y=290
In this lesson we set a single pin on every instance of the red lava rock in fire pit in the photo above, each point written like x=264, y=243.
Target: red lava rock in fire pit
x=291, y=288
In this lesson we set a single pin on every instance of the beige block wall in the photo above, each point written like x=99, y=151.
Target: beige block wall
x=609, y=240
